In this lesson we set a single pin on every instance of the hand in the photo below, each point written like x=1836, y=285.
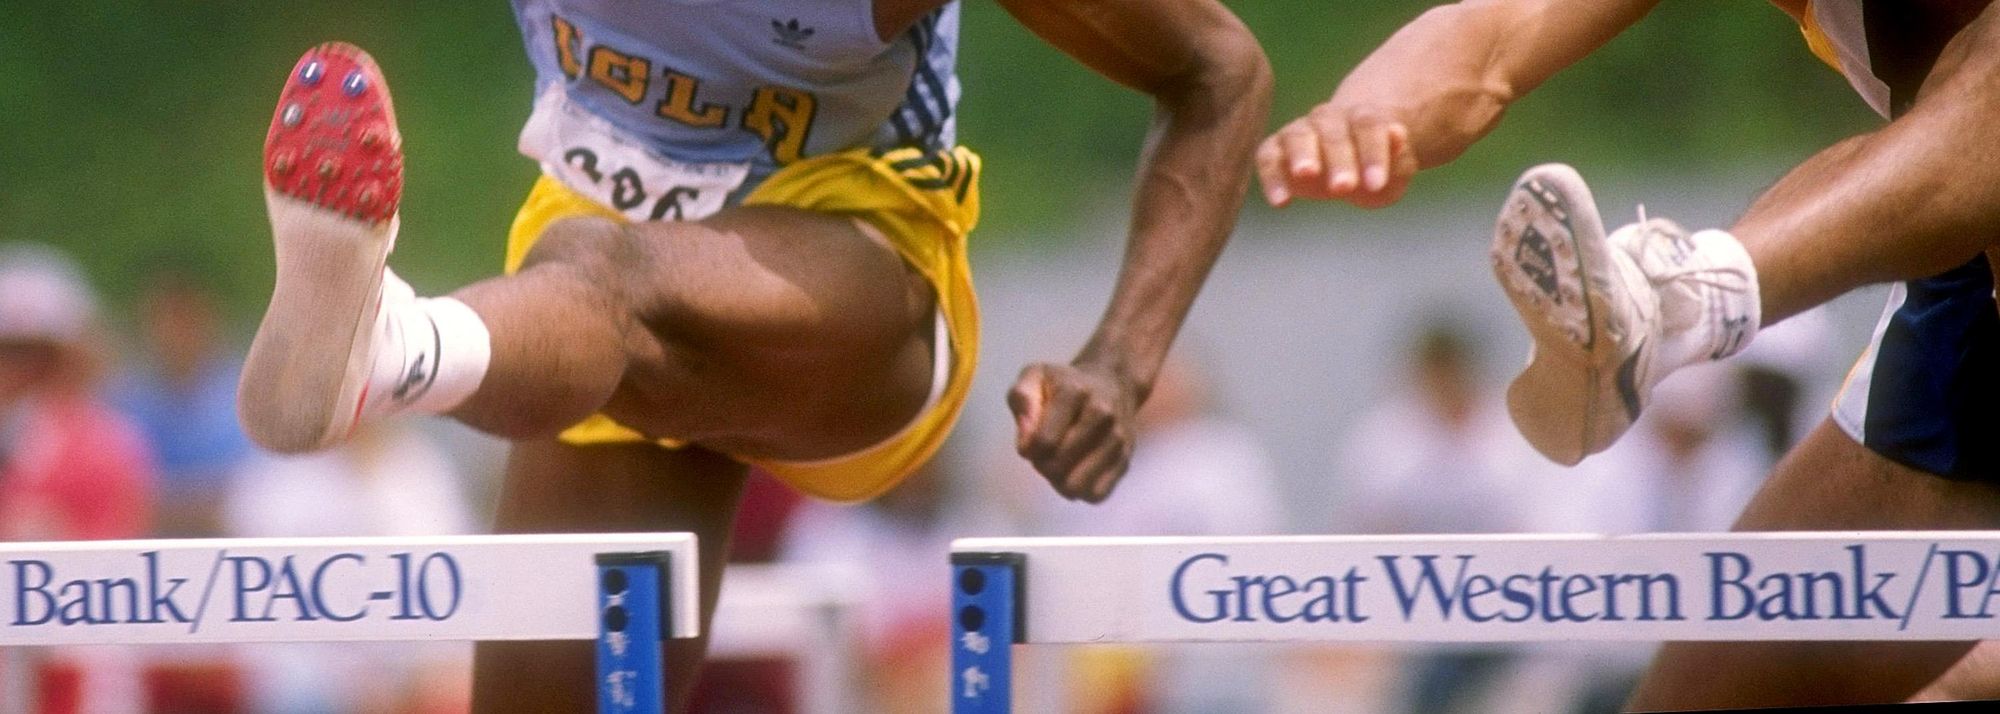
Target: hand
x=1075, y=425
x=1340, y=151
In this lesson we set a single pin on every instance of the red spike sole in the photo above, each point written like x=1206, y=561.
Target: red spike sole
x=333, y=140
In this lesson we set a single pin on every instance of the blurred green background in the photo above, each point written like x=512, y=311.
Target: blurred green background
x=130, y=129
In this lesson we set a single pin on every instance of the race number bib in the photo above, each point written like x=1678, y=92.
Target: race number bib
x=592, y=157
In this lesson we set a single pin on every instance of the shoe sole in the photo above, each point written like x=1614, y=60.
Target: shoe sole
x=332, y=185
x=1548, y=247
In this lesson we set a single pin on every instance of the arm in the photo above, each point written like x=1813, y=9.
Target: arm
x=1429, y=92
x=1212, y=87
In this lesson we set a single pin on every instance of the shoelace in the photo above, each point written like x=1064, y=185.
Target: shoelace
x=1710, y=275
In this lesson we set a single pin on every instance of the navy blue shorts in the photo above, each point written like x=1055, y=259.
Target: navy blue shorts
x=1924, y=393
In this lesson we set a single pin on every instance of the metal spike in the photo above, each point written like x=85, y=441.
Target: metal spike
x=310, y=74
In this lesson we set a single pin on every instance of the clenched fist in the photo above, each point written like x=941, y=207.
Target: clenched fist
x=1076, y=426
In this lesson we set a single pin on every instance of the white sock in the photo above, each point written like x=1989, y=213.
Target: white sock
x=1712, y=309
x=430, y=353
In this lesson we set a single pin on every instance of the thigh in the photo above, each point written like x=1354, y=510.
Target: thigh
x=553, y=487
x=1827, y=482
x=775, y=333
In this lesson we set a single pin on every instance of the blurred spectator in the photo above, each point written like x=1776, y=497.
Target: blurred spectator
x=904, y=537
x=389, y=480
x=70, y=467
x=1785, y=376
x=1440, y=456
x=1194, y=472
x=183, y=395
x=1690, y=464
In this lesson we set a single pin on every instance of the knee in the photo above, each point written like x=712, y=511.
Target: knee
x=591, y=244
x=594, y=256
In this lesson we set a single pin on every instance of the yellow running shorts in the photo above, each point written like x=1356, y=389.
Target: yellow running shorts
x=924, y=203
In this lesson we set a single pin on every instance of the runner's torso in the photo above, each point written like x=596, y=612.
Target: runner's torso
x=673, y=108
x=1884, y=47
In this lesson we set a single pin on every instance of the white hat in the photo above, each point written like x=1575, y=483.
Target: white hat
x=42, y=295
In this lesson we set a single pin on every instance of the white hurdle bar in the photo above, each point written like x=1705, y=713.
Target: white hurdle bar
x=1504, y=588
x=809, y=614
x=626, y=591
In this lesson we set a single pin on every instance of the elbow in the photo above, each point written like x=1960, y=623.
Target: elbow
x=1242, y=68
x=1259, y=81
x=1230, y=74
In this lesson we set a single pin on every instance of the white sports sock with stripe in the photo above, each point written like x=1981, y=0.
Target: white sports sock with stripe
x=430, y=353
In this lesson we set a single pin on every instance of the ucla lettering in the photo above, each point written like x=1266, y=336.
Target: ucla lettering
x=681, y=105
x=567, y=46
x=780, y=117
x=623, y=74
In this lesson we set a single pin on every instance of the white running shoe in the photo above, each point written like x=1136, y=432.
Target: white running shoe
x=1610, y=315
x=333, y=174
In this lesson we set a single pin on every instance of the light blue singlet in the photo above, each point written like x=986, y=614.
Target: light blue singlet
x=640, y=99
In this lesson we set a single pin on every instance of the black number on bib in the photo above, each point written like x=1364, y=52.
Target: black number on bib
x=586, y=161
x=627, y=192
x=669, y=206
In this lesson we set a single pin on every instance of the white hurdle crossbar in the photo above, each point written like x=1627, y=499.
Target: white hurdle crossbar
x=1511, y=588
x=627, y=591
x=807, y=613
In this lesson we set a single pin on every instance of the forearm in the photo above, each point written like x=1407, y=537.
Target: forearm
x=1449, y=74
x=1193, y=174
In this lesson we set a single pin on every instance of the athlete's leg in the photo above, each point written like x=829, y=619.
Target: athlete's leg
x=553, y=488
x=1974, y=676
x=1613, y=315
x=764, y=331
x=1911, y=200
x=1827, y=482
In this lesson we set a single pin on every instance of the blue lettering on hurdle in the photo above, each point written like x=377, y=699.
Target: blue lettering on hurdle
x=986, y=623
x=40, y=598
x=1970, y=570
x=633, y=623
x=1738, y=591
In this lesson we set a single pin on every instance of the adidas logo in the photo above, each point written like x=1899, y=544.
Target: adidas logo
x=408, y=388
x=1735, y=330
x=790, y=33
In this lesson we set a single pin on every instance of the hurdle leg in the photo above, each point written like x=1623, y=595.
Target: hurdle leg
x=633, y=622
x=986, y=623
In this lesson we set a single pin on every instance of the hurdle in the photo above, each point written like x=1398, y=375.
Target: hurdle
x=1503, y=588
x=809, y=614
x=629, y=592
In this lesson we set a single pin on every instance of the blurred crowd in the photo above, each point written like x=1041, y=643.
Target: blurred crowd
x=134, y=435
x=128, y=433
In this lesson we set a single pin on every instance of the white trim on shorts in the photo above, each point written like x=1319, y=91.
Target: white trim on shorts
x=1850, y=406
